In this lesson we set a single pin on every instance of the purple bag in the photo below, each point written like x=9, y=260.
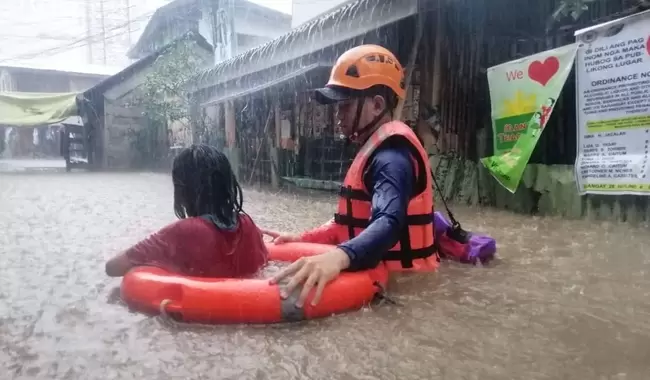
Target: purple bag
x=477, y=248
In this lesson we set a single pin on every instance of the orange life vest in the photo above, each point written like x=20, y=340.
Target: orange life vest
x=415, y=250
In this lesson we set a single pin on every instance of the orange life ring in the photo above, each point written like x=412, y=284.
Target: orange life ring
x=291, y=252
x=221, y=300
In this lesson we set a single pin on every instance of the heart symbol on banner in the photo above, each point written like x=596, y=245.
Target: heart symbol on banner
x=542, y=72
x=647, y=46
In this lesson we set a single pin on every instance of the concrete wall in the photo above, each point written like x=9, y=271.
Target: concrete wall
x=122, y=122
x=119, y=123
x=247, y=25
x=40, y=82
x=163, y=36
x=259, y=25
x=305, y=10
x=6, y=82
x=253, y=27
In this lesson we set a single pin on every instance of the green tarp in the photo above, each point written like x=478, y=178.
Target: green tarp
x=27, y=109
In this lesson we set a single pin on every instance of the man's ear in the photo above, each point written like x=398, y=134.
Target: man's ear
x=378, y=104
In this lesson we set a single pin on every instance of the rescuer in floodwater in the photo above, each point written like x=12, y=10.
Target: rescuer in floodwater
x=386, y=201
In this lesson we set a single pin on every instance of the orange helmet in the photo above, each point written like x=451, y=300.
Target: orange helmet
x=361, y=68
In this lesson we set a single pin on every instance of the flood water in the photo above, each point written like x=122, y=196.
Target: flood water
x=568, y=300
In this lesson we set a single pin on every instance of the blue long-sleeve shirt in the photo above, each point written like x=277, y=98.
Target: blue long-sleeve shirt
x=390, y=178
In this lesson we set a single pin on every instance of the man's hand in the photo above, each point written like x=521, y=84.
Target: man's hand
x=279, y=238
x=312, y=271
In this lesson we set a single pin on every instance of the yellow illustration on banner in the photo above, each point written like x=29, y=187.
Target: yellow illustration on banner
x=521, y=103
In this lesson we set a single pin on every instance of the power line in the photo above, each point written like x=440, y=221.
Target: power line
x=85, y=41
x=49, y=20
x=71, y=45
x=63, y=49
x=73, y=41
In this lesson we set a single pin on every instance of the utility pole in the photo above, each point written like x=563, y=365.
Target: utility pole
x=230, y=21
x=224, y=27
x=101, y=11
x=89, y=32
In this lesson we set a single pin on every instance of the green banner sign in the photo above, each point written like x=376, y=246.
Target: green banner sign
x=523, y=94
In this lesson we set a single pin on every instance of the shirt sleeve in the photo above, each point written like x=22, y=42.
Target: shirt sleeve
x=390, y=176
x=161, y=249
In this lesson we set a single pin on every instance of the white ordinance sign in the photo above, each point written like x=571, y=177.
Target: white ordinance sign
x=613, y=107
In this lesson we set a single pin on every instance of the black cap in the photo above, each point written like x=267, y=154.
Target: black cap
x=332, y=94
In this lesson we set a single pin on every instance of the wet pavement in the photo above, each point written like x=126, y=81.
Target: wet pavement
x=568, y=300
x=27, y=165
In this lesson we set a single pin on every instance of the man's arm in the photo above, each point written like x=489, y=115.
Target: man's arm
x=390, y=177
x=324, y=234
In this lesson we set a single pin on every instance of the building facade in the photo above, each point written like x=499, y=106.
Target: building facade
x=262, y=97
x=39, y=78
x=123, y=135
x=231, y=27
x=43, y=140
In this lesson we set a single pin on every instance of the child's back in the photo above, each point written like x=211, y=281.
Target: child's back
x=196, y=247
x=214, y=237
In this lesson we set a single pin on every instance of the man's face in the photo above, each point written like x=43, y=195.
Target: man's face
x=346, y=113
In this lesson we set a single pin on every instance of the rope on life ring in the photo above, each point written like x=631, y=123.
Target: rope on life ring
x=381, y=296
x=162, y=307
x=165, y=316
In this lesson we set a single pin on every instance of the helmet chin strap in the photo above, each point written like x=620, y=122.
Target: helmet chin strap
x=358, y=132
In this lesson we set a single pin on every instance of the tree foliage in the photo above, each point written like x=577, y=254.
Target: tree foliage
x=164, y=100
x=573, y=8
x=567, y=8
x=163, y=95
x=576, y=8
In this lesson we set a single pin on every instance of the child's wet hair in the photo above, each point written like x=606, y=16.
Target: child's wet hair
x=204, y=184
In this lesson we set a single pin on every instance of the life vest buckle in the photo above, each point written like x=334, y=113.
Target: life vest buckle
x=457, y=233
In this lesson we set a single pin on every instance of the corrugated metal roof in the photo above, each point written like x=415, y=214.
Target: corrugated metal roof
x=71, y=68
x=232, y=93
x=341, y=24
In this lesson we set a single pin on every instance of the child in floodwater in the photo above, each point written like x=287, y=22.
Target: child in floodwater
x=214, y=237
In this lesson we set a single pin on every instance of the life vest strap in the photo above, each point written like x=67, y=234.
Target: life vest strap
x=348, y=206
x=419, y=219
x=410, y=255
x=411, y=220
x=355, y=194
x=349, y=221
x=406, y=259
